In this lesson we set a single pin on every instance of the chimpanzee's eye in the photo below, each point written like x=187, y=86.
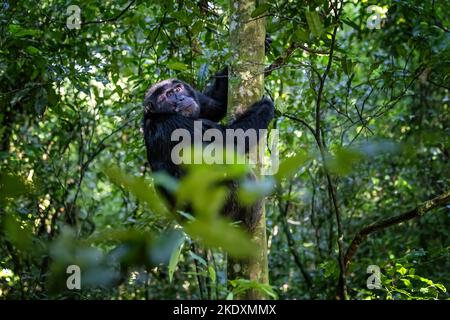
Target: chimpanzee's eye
x=178, y=89
x=168, y=94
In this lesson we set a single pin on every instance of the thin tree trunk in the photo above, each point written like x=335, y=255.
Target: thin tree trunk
x=246, y=85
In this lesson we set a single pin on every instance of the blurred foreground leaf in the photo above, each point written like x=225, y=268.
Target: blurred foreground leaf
x=220, y=233
x=291, y=165
x=344, y=160
x=175, y=256
x=139, y=187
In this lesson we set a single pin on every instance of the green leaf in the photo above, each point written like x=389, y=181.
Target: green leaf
x=314, y=23
x=344, y=160
x=350, y=23
x=175, y=257
x=18, y=234
x=402, y=270
x=407, y=283
x=301, y=35
x=212, y=274
x=187, y=215
x=119, y=90
x=33, y=50
x=19, y=32
x=198, y=258
x=260, y=10
x=219, y=233
x=208, y=180
x=243, y=285
x=11, y=186
x=165, y=180
x=197, y=27
x=440, y=287
x=140, y=188
x=291, y=165
x=347, y=65
x=178, y=66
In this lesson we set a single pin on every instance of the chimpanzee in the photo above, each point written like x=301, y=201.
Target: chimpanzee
x=173, y=104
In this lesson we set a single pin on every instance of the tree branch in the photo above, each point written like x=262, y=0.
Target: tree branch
x=111, y=19
x=419, y=211
x=283, y=59
x=290, y=239
x=342, y=287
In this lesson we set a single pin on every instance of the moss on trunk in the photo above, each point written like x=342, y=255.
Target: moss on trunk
x=246, y=85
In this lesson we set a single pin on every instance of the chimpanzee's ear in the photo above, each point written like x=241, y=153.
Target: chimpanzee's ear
x=149, y=108
x=149, y=103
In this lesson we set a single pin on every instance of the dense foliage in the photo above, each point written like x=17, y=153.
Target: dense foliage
x=362, y=99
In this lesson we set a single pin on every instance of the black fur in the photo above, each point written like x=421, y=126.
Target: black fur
x=158, y=127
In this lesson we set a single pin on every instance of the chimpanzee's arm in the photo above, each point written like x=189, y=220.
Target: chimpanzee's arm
x=213, y=102
x=256, y=117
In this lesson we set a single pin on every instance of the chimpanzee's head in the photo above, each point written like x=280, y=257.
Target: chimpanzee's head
x=172, y=96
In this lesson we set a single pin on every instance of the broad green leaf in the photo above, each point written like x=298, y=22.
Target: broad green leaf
x=197, y=28
x=407, y=283
x=140, y=188
x=11, y=187
x=440, y=287
x=314, y=23
x=291, y=165
x=165, y=180
x=208, y=180
x=262, y=8
x=301, y=35
x=32, y=50
x=219, y=233
x=175, y=257
x=119, y=90
x=178, y=66
x=17, y=234
x=344, y=161
x=402, y=270
x=20, y=32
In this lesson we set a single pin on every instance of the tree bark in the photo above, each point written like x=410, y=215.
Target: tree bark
x=246, y=85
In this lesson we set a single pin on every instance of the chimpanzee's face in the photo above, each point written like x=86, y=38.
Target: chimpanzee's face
x=172, y=96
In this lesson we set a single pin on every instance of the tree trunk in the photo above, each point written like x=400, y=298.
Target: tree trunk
x=246, y=85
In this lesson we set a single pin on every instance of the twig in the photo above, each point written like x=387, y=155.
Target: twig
x=291, y=242
x=419, y=211
x=111, y=19
x=303, y=122
x=283, y=59
x=342, y=288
